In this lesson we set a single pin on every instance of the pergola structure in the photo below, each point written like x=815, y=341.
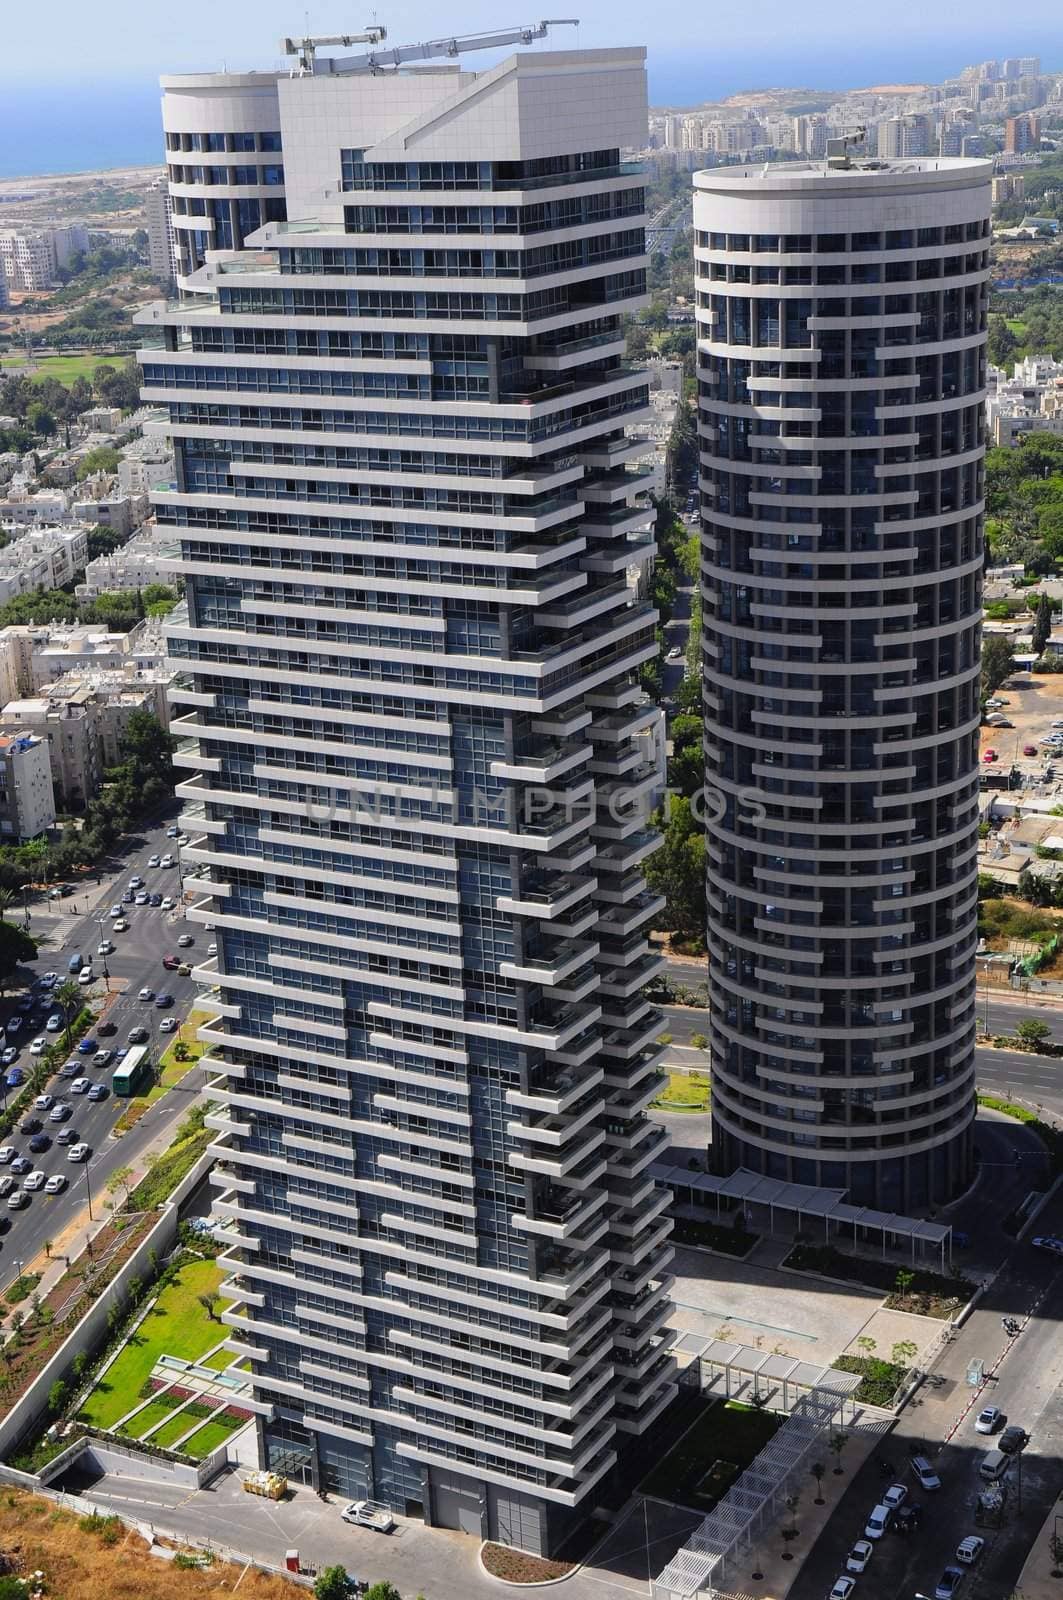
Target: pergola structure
x=756, y=1498
x=802, y=1202
x=741, y=1370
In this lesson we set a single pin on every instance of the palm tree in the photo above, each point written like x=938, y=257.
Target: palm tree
x=67, y=996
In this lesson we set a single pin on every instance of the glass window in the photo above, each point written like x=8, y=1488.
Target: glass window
x=269, y=141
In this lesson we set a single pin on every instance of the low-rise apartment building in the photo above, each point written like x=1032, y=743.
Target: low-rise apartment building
x=147, y=558
x=70, y=725
x=27, y=798
x=43, y=559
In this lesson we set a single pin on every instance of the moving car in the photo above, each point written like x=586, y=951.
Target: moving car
x=22, y=1164
x=878, y=1521
x=121, y=926
x=184, y=941
x=167, y=860
x=80, y=1086
x=116, y=911
x=136, y=882
x=59, y=1112
x=9, y=1055
x=138, y=1036
x=155, y=900
x=859, y=1555
x=38, y=1047
x=928, y=1478
x=107, y=1028
x=66, y=1136
x=1029, y=749
x=17, y=1201
x=989, y=755
x=153, y=861
x=14, y=1024
x=87, y=1047
x=142, y=898
x=949, y=1582
x=146, y=994
x=969, y=1550
x=1013, y=1439
x=993, y=1465
x=7, y=1183
x=989, y=1419
x=129, y=896
x=103, y=1058
x=71, y=1068
x=78, y=1152
x=105, y=947
x=7, y=1153
x=75, y=963
x=15, y=1077
x=30, y=1125
x=163, y=1001
x=171, y=963
x=85, y=976
x=98, y=1091
x=55, y=1184
x=1050, y=1242
x=39, y=1144
x=173, y=830
x=168, y=902
x=168, y=1025
x=33, y=1181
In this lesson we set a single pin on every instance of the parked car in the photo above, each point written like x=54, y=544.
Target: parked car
x=859, y=1555
x=969, y=1550
x=949, y=1582
x=879, y=1519
x=1013, y=1439
x=55, y=1184
x=1029, y=749
x=928, y=1478
x=369, y=1514
x=989, y=755
x=843, y=1587
x=895, y=1496
x=1050, y=1242
x=989, y=1419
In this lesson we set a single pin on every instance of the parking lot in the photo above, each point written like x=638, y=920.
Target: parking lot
x=69, y=928
x=1032, y=705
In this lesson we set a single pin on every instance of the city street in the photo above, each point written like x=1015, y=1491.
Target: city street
x=1027, y=1374
x=135, y=963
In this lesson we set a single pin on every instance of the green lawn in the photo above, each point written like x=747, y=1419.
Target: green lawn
x=685, y=1091
x=724, y=1433
x=152, y=1413
x=210, y=1436
x=65, y=368
x=218, y=1361
x=171, y=1071
x=1018, y=327
x=171, y=1431
x=177, y=1325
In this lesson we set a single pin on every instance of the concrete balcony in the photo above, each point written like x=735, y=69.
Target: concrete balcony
x=546, y=895
x=623, y=982
x=552, y=1091
x=553, y=967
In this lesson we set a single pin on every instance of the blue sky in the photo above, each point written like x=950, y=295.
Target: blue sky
x=711, y=48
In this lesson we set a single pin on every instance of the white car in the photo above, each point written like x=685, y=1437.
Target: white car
x=56, y=1184
x=78, y=1152
x=167, y=860
x=843, y=1588
x=80, y=1086
x=895, y=1496
x=121, y=926
x=859, y=1555
x=153, y=861
x=33, y=1181
x=184, y=940
x=104, y=948
x=44, y=1102
x=85, y=976
x=7, y=1153
x=136, y=883
x=168, y=1025
x=989, y=1419
x=928, y=1478
x=54, y=1023
x=146, y=994
x=38, y=1047
x=969, y=1550
x=168, y=902
x=879, y=1519
x=142, y=898
x=368, y=1514
x=212, y=949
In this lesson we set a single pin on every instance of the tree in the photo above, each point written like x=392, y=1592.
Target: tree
x=102, y=459
x=1042, y=624
x=836, y=1445
x=904, y=1352
x=119, y=1179
x=998, y=662
x=16, y=945
x=1002, y=343
x=867, y=1344
x=332, y=1583
x=677, y=870
x=58, y=1395
x=903, y=1282
x=67, y=996
x=817, y=1470
x=210, y=1303
x=383, y=1591
x=1031, y=1030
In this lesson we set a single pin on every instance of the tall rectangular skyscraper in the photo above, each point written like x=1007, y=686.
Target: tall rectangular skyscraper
x=842, y=330
x=415, y=760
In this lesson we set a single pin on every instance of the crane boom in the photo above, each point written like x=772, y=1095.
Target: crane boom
x=430, y=49
x=306, y=49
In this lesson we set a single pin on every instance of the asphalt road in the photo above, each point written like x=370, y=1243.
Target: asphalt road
x=1027, y=1386
x=136, y=963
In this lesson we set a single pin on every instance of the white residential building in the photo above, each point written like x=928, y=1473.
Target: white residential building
x=159, y=210
x=27, y=798
x=43, y=559
x=147, y=558
x=28, y=260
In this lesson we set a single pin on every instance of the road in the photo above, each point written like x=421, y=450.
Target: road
x=1027, y=1379
x=136, y=963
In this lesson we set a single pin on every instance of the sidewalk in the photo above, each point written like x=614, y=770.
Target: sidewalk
x=1036, y=1581
x=72, y=1242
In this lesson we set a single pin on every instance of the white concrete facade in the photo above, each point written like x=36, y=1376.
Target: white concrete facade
x=27, y=800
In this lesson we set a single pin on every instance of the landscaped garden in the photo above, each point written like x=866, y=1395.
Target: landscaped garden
x=930, y=1294
x=177, y=1325
x=722, y=1236
x=716, y=1450
x=178, y=1059
x=685, y=1091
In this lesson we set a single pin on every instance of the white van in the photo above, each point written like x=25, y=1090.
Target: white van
x=993, y=1465
x=877, y=1523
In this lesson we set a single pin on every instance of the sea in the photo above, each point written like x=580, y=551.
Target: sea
x=92, y=125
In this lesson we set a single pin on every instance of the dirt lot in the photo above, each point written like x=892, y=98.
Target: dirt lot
x=1032, y=704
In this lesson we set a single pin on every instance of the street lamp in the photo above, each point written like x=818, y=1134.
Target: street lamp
x=88, y=1191
x=19, y=1266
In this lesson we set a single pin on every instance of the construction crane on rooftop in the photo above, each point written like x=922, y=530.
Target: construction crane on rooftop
x=430, y=50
